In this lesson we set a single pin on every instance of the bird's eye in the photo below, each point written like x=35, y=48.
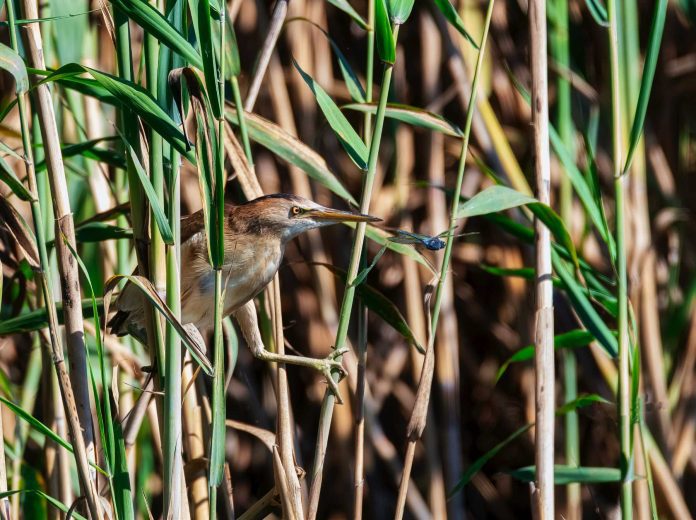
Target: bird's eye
x=296, y=210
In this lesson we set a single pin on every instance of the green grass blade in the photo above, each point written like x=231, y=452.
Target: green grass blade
x=563, y=475
x=452, y=16
x=344, y=6
x=501, y=198
x=38, y=319
x=347, y=136
x=13, y=63
x=384, y=37
x=150, y=19
x=411, y=115
x=36, y=424
x=654, y=41
x=132, y=97
x=381, y=306
x=274, y=138
x=583, y=308
x=90, y=150
x=155, y=205
x=598, y=12
x=399, y=10
x=355, y=88
x=568, y=340
x=8, y=177
x=204, y=32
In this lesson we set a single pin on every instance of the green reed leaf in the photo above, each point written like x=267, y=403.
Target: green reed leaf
x=452, y=16
x=13, y=63
x=347, y=136
x=154, y=22
x=384, y=36
x=563, y=475
x=412, y=116
x=274, y=138
x=344, y=6
x=646, y=82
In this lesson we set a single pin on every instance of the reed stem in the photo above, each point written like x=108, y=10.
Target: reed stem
x=349, y=294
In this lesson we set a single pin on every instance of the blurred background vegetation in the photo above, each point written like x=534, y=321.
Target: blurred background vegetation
x=476, y=439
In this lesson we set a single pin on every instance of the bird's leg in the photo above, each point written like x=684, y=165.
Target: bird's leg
x=246, y=317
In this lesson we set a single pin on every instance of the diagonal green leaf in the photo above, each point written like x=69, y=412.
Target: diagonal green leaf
x=12, y=63
x=36, y=424
x=355, y=88
x=38, y=319
x=90, y=150
x=598, y=12
x=573, y=339
x=291, y=149
x=157, y=210
x=381, y=306
x=493, y=200
x=583, y=308
x=132, y=97
x=500, y=198
x=563, y=475
x=479, y=463
x=8, y=177
x=348, y=137
x=654, y=41
x=411, y=115
x=344, y=6
x=150, y=19
x=452, y=16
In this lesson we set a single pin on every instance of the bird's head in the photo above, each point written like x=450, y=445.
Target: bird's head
x=290, y=215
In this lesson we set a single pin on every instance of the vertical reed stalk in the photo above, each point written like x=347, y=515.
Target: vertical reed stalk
x=359, y=471
x=69, y=271
x=624, y=386
x=217, y=449
x=87, y=483
x=560, y=49
x=419, y=414
x=543, y=353
x=159, y=60
x=280, y=11
x=349, y=294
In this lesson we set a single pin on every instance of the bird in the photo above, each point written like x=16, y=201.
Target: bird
x=256, y=235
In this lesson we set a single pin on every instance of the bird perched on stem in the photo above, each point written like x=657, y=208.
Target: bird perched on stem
x=256, y=234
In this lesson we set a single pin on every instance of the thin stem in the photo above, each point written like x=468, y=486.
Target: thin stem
x=359, y=472
x=280, y=11
x=87, y=484
x=420, y=409
x=624, y=390
x=217, y=438
x=243, y=130
x=349, y=294
x=543, y=352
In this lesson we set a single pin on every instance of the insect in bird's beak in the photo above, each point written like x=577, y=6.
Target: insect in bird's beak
x=335, y=215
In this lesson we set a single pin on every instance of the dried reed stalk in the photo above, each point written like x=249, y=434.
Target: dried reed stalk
x=544, y=332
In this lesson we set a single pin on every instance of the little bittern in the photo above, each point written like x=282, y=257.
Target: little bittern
x=256, y=234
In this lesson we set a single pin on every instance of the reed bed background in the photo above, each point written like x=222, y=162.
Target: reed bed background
x=555, y=168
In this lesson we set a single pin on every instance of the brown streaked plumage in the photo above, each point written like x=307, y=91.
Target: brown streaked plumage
x=256, y=234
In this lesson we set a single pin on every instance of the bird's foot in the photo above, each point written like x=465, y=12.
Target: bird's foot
x=330, y=366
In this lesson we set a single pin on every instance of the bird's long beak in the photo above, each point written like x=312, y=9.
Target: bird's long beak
x=335, y=215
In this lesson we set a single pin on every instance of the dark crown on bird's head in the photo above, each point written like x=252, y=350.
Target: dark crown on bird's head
x=286, y=215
